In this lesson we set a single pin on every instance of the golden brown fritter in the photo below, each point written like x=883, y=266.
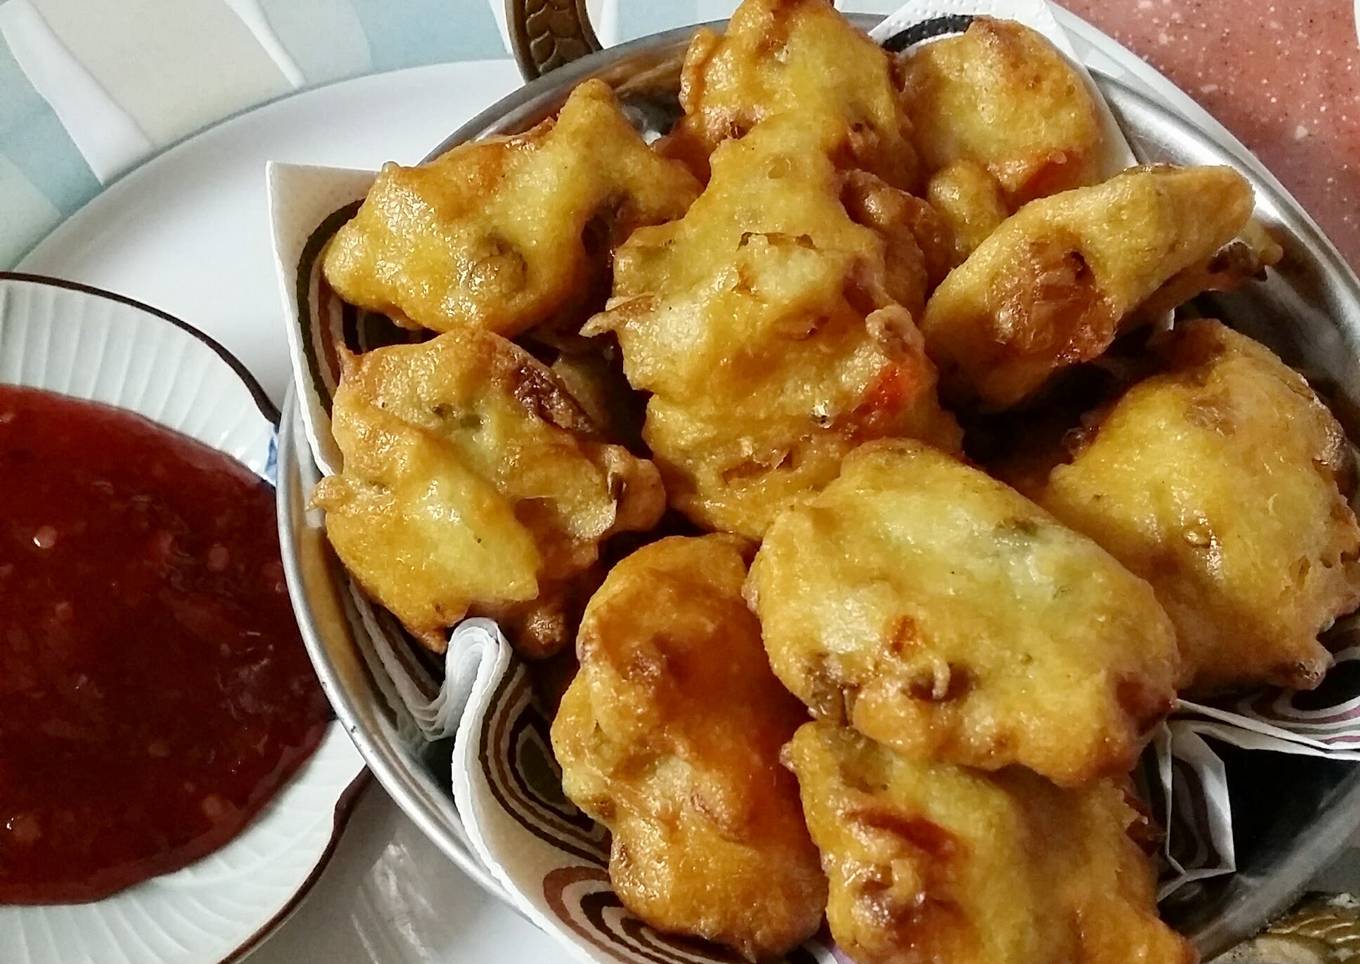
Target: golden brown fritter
x=920, y=242
x=940, y=612
x=597, y=382
x=1051, y=286
x=473, y=482
x=970, y=202
x=506, y=232
x=1244, y=258
x=933, y=863
x=795, y=57
x=1000, y=95
x=591, y=370
x=670, y=736
x=1218, y=482
x=769, y=327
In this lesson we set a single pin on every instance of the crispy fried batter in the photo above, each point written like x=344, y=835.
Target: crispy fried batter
x=970, y=202
x=933, y=863
x=940, y=612
x=920, y=244
x=591, y=370
x=770, y=329
x=795, y=57
x=473, y=481
x=506, y=232
x=1051, y=286
x=670, y=735
x=597, y=382
x=1001, y=96
x=1245, y=257
x=1218, y=483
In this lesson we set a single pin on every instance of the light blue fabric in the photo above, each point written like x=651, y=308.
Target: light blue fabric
x=325, y=38
x=637, y=18
x=414, y=32
x=33, y=139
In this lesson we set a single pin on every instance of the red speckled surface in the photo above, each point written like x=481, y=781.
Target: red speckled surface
x=1284, y=77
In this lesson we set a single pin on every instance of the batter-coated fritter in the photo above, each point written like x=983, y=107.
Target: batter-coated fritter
x=795, y=57
x=970, y=202
x=1242, y=259
x=915, y=233
x=507, y=232
x=935, y=863
x=591, y=370
x=1218, y=482
x=1000, y=95
x=770, y=327
x=473, y=482
x=670, y=736
x=942, y=613
x=1051, y=286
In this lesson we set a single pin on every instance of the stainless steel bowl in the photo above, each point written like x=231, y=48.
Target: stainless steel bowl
x=1292, y=814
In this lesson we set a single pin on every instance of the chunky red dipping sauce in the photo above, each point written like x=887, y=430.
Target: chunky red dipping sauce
x=154, y=691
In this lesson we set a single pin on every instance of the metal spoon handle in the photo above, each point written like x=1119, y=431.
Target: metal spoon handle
x=546, y=34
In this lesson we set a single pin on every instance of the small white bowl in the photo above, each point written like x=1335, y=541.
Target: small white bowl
x=95, y=345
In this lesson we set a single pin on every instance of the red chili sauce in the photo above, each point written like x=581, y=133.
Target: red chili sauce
x=154, y=691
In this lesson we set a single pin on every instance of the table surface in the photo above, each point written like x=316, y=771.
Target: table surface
x=90, y=90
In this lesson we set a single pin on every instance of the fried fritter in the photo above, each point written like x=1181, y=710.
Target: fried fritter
x=770, y=328
x=591, y=370
x=506, y=232
x=919, y=240
x=1000, y=95
x=1245, y=257
x=932, y=863
x=670, y=735
x=1219, y=482
x=598, y=384
x=795, y=57
x=970, y=202
x=1051, y=286
x=473, y=482
x=942, y=613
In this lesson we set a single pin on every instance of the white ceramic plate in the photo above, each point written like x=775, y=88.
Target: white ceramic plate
x=85, y=343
